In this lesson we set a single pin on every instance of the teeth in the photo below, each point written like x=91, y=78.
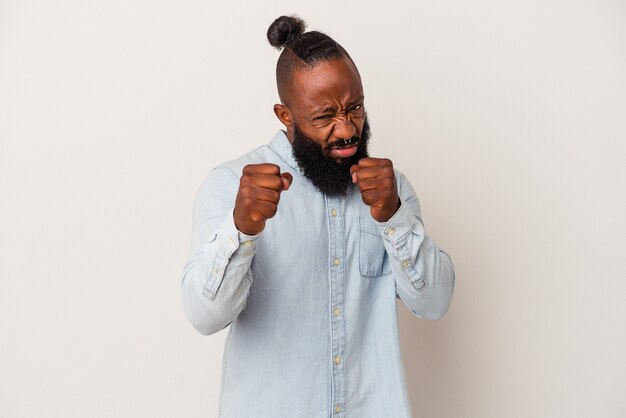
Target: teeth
x=345, y=143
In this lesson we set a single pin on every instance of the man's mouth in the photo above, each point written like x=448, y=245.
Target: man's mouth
x=344, y=148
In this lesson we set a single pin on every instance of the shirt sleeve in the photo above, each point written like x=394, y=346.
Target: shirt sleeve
x=217, y=276
x=423, y=272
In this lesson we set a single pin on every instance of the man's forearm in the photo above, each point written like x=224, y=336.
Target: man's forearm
x=424, y=273
x=217, y=277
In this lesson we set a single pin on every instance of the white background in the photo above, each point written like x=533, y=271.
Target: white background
x=509, y=118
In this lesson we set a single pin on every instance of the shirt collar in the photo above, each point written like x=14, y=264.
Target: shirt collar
x=281, y=145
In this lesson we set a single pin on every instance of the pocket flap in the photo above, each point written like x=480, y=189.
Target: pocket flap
x=372, y=255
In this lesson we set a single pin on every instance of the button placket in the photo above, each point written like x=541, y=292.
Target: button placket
x=337, y=300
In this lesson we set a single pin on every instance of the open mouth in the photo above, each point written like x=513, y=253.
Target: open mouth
x=345, y=148
x=346, y=143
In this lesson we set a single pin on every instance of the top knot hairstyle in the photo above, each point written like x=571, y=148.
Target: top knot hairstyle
x=300, y=50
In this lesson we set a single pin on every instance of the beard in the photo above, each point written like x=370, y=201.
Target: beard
x=331, y=177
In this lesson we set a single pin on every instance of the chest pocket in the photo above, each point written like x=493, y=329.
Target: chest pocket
x=373, y=260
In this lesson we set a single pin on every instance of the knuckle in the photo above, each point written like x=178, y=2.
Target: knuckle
x=250, y=168
x=271, y=168
x=247, y=201
x=257, y=217
x=246, y=191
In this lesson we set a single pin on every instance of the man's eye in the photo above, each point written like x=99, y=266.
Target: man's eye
x=322, y=117
x=357, y=107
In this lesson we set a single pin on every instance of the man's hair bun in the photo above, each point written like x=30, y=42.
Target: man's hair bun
x=285, y=29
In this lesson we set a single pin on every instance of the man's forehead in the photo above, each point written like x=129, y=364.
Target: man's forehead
x=327, y=82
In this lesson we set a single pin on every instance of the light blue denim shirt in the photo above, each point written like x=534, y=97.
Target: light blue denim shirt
x=311, y=300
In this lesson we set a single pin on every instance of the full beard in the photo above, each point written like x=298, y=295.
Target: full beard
x=329, y=176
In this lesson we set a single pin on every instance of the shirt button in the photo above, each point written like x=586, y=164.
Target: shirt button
x=405, y=263
x=337, y=360
x=390, y=232
x=336, y=311
x=337, y=409
x=247, y=243
x=333, y=212
x=336, y=262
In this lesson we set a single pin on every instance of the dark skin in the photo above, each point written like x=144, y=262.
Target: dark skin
x=328, y=107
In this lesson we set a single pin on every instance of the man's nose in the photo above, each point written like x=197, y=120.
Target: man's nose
x=344, y=128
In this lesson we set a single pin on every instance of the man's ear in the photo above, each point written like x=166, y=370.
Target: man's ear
x=283, y=114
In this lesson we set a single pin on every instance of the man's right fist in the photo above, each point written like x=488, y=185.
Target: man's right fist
x=257, y=199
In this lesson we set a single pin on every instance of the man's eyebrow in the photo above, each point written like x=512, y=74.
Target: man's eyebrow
x=331, y=109
x=324, y=109
x=358, y=100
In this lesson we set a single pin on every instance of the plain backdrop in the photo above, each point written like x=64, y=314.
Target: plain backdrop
x=509, y=118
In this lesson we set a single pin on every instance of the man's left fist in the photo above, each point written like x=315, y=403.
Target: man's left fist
x=377, y=183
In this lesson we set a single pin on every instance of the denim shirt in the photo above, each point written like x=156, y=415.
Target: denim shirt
x=311, y=300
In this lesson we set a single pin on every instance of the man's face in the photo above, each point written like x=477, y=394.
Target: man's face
x=327, y=123
x=326, y=104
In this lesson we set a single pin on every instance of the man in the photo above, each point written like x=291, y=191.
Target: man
x=303, y=246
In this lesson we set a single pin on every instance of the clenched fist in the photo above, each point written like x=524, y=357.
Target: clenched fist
x=260, y=187
x=377, y=183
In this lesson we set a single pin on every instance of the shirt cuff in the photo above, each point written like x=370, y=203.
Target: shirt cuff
x=238, y=239
x=400, y=224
